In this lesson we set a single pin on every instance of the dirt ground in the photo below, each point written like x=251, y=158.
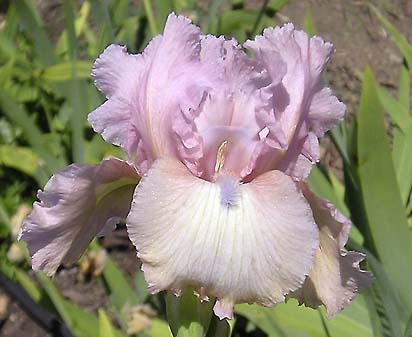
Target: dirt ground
x=359, y=40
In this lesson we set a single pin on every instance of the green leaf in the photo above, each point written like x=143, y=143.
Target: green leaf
x=238, y=23
x=319, y=181
x=158, y=328
x=220, y=328
x=100, y=10
x=33, y=26
x=404, y=166
x=399, y=39
x=81, y=322
x=56, y=298
x=10, y=27
x=150, y=17
x=211, y=15
x=64, y=71
x=163, y=8
x=404, y=88
x=188, y=317
x=380, y=192
x=34, y=136
x=385, y=299
x=258, y=20
x=24, y=160
x=105, y=327
x=408, y=329
x=326, y=186
x=290, y=320
x=398, y=113
x=277, y=5
x=121, y=294
x=27, y=283
x=75, y=94
x=79, y=25
x=120, y=11
x=308, y=22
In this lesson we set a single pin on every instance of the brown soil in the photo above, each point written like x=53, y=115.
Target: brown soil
x=359, y=40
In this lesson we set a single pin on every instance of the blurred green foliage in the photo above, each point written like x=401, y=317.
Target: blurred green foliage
x=46, y=94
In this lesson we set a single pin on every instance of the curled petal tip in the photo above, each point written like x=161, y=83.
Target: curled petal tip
x=223, y=309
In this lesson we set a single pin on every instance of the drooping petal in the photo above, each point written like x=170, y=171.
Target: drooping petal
x=251, y=242
x=336, y=276
x=77, y=203
x=301, y=104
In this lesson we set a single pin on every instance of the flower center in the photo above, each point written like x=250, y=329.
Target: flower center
x=220, y=156
x=229, y=189
x=227, y=181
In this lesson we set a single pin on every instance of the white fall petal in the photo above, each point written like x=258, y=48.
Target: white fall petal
x=252, y=242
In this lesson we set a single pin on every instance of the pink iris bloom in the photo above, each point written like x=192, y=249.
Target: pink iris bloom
x=223, y=143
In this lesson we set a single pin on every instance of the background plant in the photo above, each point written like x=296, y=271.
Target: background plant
x=45, y=96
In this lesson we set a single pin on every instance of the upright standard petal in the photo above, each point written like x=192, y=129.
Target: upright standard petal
x=301, y=104
x=336, y=276
x=77, y=203
x=251, y=242
x=147, y=91
x=228, y=111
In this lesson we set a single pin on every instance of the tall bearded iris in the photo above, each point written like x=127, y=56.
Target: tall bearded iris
x=223, y=144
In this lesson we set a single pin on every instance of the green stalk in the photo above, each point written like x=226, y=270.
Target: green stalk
x=150, y=17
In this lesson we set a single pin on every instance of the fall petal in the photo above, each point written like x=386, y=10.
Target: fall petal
x=336, y=276
x=77, y=203
x=237, y=242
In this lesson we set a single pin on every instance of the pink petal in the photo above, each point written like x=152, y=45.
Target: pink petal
x=115, y=69
x=119, y=120
x=300, y=102
x=113, y=121
x=336, y=276
x=77, y=203
x=237, y=242
x=145, y=91
x=228, y=111
x=325, y=112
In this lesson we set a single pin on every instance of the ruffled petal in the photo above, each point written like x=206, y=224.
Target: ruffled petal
x=325, y=112
x=146, y=91
x=113, y=121
x=251, y=242
x=77, y=203
x=300, y=103
x=228, y=111
x=119, y=120
x=336, y=276
x=115, y=70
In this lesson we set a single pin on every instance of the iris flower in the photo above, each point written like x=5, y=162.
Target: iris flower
x=213, y=193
